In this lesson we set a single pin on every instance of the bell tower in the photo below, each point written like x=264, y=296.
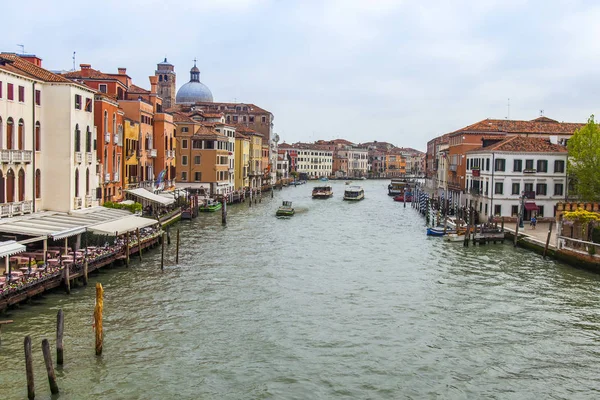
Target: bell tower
x=165, y=72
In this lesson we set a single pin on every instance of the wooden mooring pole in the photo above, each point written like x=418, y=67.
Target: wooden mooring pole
x=224, y=212
x=49, y=366
x=60, y=328
x=162, y=251
x=67, y=278
x=548, y=239
x=29, y=368
x=139, y=243
x=177, y=249
x=98, y=318
x=127, y=250
x=517, y=232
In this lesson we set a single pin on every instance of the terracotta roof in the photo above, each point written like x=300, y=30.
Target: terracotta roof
x=136, y=89
x=212, y=115
x=180, y=117
x=542, y=125
x=522, y=144
x=88, y=73
x=241, y=136
x=25, y=67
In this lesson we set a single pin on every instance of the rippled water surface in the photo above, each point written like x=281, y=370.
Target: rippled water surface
x=344, y=300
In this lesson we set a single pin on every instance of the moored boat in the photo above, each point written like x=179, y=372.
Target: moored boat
x=400, y=186
x=186, y=213
x=354, y=193
x=285, y=210
x=400, y=197
x=454, y=237
x=210, y=206
x=322, y=192
x=324, y=179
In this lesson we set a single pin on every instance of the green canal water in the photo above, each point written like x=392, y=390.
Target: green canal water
x=344, y=300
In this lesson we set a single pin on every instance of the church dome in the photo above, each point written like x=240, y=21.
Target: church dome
x=193, y=91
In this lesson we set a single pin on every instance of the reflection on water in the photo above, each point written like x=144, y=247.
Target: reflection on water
x=343, y=300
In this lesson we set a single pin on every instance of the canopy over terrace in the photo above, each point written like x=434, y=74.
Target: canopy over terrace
x=123, y=225
x=151, y=197
x=59, y=225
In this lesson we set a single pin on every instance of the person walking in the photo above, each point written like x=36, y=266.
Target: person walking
x=533, y=222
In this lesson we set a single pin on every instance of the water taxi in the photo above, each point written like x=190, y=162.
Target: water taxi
x=354, y=193
x=210, y=206
x=324, y=179
x=285, y=210
x=400, y=197
x=322, y=192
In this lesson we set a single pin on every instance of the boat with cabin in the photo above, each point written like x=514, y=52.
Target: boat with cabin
x=322, y=192
x=354, y=193
x=400, y=186
x=285, y=210
x=210, y=206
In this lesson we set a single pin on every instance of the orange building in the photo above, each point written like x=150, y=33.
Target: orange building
x=395, y=164
x=202, y=157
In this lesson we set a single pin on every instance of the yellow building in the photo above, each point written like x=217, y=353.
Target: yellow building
x=395, y=165
x=256, y=169
x=242, y=161
x=131, y=151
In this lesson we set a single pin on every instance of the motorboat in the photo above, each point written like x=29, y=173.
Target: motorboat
x=210, y=206
x=354, y=193
x=285, y=210
x=322, y=192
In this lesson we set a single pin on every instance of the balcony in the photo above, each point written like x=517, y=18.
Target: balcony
x=16, y=208
x=116, y=138
x=16, y=156
x=88, y=157
x=88, y=201
x=152, y=153
x=107, y=138
x=77, y=203
x=475, y=191
x=529, y=171
x=116, y=177
x=78, y=157
x=107, y=177
x=452, y=167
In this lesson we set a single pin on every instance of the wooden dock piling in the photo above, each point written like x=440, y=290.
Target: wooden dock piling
x=67, y=279
x=224, y=212
x=127, y=250
x=177, y=249
x=49, y=366
x=139, y=243
x=98, y=318
x=162, y=251
x=85, y=270
x=29, y=368
x=548, y=239
x=516, y=232
x=60, y=328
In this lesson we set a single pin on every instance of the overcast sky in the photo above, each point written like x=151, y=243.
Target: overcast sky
x=396, y=71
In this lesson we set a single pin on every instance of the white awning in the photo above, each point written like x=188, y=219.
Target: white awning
x=149, y=196
x=127, y=202
x=122, y=225
x=10, y=247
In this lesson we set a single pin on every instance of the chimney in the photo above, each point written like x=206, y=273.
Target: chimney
x=122, y=71
x=85, y=69
x=32, y=59
x=153, y=84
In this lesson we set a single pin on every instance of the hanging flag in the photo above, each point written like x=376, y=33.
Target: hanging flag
x=160, y=179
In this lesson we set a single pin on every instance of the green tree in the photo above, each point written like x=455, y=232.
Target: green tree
x=584, y=161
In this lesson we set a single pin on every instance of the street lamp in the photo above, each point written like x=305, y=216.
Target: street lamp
x=522, y=213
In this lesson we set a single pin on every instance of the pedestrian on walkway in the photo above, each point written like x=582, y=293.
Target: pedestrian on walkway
x=533, y=222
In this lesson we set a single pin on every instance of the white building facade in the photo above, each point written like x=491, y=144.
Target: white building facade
x=517, y=175
x=358, y=160
x=315, y=162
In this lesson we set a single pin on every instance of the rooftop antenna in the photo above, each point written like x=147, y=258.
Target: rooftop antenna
x=22, y=46
x=508, y=116
x=73, y=61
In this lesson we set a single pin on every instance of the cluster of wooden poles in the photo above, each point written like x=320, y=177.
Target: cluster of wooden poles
x=257, y=199
x=60, y=328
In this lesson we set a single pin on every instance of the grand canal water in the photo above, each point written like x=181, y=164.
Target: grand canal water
x=340, y=301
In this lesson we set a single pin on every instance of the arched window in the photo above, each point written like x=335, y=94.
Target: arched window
x=21, y=135
x=1, y=132
x=114, y=130
x=1, y=187
x=38, y=137
x=114, y=160
x=38, y=184
x=88, y=140
x=105, y=122
x=76, y=182
x=10, y=129
x=10, y=186
x=166, y=78
x=105, y=160
x=21, y=185
x=87, y=181
x=77, y=138
x=160, y=78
